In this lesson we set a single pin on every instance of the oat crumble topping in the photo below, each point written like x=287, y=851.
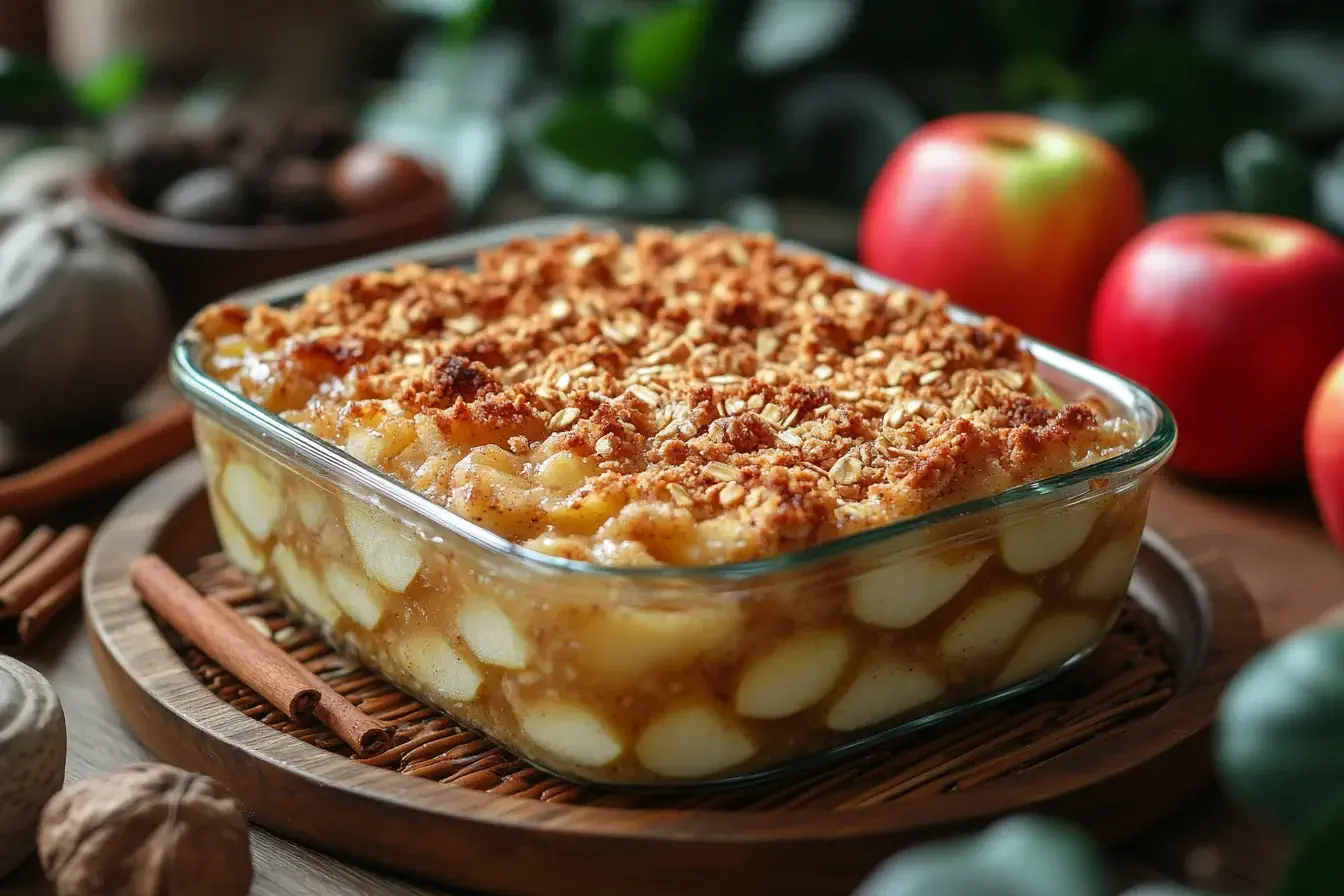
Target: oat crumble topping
x=715, y=398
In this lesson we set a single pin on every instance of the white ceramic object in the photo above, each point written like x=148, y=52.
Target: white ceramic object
x=32, y=757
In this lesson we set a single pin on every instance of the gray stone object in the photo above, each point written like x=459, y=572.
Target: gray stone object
x=32, y=757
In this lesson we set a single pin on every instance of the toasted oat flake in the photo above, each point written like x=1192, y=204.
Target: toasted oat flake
x=645, y=394
x=846, y=470
x=731, y=494
x=680, y=496
x=722, y=472
x=564, y=418
x=676, y=369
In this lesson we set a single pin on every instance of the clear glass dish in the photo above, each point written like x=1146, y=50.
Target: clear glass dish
x=675, y=676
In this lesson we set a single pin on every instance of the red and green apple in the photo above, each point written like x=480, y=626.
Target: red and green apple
x=1012, y=216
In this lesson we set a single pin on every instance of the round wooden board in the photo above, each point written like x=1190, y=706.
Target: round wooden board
x=1116, y=784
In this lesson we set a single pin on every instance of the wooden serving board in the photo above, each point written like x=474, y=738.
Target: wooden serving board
x=1115, y=744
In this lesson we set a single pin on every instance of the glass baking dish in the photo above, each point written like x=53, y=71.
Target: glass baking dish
x=675, y=676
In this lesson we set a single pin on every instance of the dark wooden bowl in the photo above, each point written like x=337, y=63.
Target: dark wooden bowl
x=199, y=263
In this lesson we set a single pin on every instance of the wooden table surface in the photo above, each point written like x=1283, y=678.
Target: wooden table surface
x=1272, y=539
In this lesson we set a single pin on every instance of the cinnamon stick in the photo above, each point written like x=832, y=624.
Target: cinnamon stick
x=34, y=620
x=251, y=658
x=25, y=553
x=202, y=620
x=61, y=556
x=11, y=533
x=126, y=453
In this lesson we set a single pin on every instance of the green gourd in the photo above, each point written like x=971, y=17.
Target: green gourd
x=83, y=323
x=1279, y=737
x=1023, y=855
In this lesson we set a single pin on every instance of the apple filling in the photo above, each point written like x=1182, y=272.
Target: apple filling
x=622, y=685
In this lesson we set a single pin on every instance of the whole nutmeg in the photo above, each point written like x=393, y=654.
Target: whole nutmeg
x=208, y=196
x=145, y=830
x=370, y=178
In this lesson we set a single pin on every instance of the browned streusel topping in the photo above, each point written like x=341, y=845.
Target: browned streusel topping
x=709, y=384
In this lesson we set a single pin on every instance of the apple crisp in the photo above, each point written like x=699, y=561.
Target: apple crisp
x=662, y=407
x=686, y=399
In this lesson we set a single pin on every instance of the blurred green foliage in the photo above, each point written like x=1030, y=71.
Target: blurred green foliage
x=690, y=106
x=700, y=107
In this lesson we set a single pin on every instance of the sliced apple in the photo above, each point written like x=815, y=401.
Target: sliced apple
x=388, y=555
x=908, y=592
x=209, y=453
x=301, y=584
x=1106, y=573
x=312, y=505
x=491, y=634
x=254, y=499
x=989, y=626
x=362, y=600
x=692, y=741
x=575, y=733
x=237, y=546
x=795, y=675
x=886, y=686
x=583, y=514
x=1036, y=543
x=1049, y=643
x=433, y=663
x=625, y=643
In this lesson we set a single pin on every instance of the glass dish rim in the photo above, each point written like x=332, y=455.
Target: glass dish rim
x=207, y=394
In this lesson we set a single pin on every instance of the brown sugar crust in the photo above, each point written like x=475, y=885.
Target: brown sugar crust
x=710, y=382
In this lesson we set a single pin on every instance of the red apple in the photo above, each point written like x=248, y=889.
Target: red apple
x=1011, y=215
x=1325, y=448
x=1230, y=319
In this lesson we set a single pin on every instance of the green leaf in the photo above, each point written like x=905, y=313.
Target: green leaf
x=1266, y=175
x=1309, y=67
x=784, y=33
x=1123, y=122
x=656, y=51
x=1019, y=856
x=599, y=135
x=840, y=128
x=114, y=85
x=607, y=153
x=467, y=21
x=1032, y=28
x=1183, y=194
x=1329, y=177
x=31, y=90
x=1316, y=866
x=1032, y=78
x=588, y=40
x=1197, y=97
